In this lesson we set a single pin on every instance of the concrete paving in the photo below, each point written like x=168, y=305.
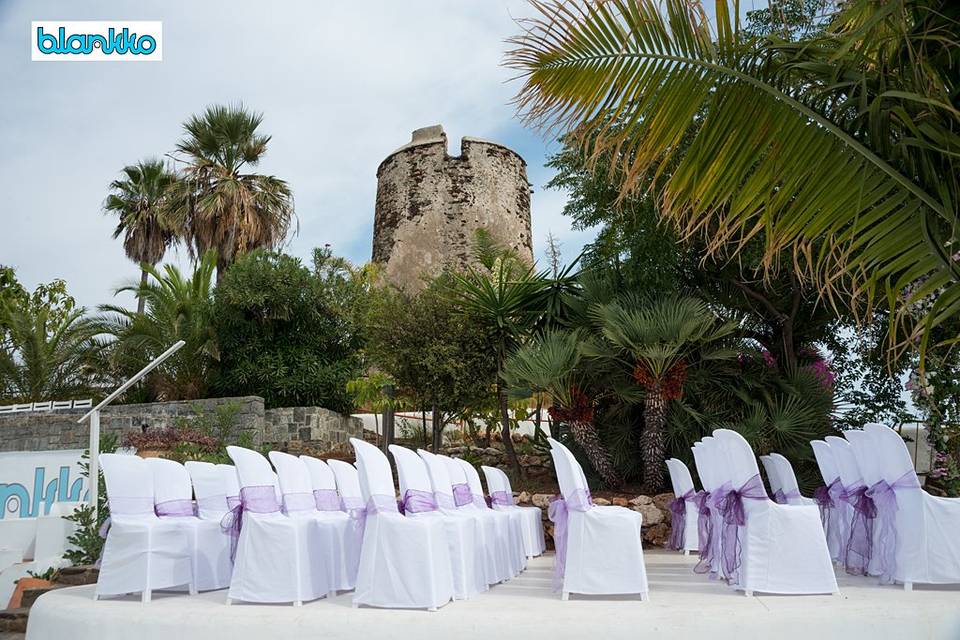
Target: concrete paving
x=682, y=606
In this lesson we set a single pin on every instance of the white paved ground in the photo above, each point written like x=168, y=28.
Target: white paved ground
x=682, y=606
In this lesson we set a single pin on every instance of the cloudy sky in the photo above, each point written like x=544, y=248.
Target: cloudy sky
x=340, y=86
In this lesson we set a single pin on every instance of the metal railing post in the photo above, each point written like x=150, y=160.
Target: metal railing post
x=94, y=462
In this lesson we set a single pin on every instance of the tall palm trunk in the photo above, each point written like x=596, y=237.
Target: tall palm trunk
x=589, y=440
x=653, y=439
x=141, y=300
x=505, y=429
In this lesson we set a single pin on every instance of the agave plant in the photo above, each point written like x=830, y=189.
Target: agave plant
x=551, y=364
x=178, y=307
x=840, y=150
x=659, y=341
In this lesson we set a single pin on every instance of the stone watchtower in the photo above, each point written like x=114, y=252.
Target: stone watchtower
x=429, y=204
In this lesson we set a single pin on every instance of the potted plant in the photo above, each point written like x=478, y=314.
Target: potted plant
x=31, y=581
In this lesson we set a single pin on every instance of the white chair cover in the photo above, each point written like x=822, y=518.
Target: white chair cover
x=330, y=530
x=773, y=478
x=463, y=534
x=833, y=511
x=405, y=562
x=919, y=539
x=708, y=460
x=684, y=507
x=585, y=534
x=868, y=462
x=782, y=548
x=208, y=489
x=325, y=491
x=509, y=559
x=209, y=545
x=142, y=552
x=274, y=561
x=788, y=481
x=530, y=518
x=514, y=520
x=231, y=484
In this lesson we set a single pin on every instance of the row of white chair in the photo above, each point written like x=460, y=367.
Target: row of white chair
x=878, y=519
x=298, y=533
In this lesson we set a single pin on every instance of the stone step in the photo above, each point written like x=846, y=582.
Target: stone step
x=74, y=576
x=14, y=620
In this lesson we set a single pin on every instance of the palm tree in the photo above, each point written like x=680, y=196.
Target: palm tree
x=839, y=149
x=659, y=341
x=47, y=357
x=141, y=200
x=551, y=364
x=177, y=308
x=219, y=205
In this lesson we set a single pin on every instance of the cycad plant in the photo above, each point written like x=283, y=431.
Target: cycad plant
x=141, y=199
x=220, y=205
x=840, y=149
x=178, y=307
x=659, y=341
x=552, y=363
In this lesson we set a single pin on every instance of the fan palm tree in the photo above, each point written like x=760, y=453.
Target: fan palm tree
x=178, y=307
x=219, y=205
x=840, y=150
x=46, y=357
x=551, y=363
x=659, y=342
x=141, y=200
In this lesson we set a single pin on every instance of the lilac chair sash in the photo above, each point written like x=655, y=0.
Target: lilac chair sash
x=326, y=499
x=734, y=517
x=255, y=499
x=461, y=494
x=827, y=497
x=213, y=503
x=416, y=501
x=859, y=548
x=299, y=501
x=704, y=532
x=884, y=496
x=559, y=514
x=135, y=506
x=781, y=497
x=678, y=523
x=232, y=502
x=175, y=508
x=502, y=498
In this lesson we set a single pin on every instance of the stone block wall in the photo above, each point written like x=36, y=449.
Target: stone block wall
x=51, y=430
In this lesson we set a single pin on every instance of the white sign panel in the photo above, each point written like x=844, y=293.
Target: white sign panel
x=31, y=481
x=96, y=41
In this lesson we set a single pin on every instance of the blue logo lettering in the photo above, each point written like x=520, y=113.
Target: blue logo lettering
x=113, y=43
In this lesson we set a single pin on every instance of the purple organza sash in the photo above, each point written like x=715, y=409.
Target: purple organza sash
x=559, y=514
x=734, y=516
x=826, y=498
x=256, y=499
x=232, y=502
x=859, y=549
x=502, y=498
x=444, y=500
x=461, y=494
x=326, y=499
x=126, y=507
x=781, y=497
x=175, y=508
x=213, y=503
x=299, y=501
x=704, y=532
x=416, y=501
x=884, y=496
x=678, y=523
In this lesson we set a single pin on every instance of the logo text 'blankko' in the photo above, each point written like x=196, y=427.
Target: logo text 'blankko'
x=111, y=43
x=96, y=40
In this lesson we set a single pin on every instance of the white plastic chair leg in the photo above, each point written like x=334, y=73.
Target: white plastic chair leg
x=908, y=586
x=229, y=601
x=686, y=552
x=331, y=594
x=644, y=596
x=355, y=605
x=298, y=603
x=748, y=593
x=432, y=609
x=565, y=595
x=95, y=596
x=193, y=588
x=145, y=596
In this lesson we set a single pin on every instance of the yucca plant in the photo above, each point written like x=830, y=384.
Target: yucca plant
x=551, y=363
x=658, y=341
x=840, y=150
x=178, y=307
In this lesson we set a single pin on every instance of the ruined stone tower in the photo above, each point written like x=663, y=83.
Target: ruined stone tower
x=429, y=204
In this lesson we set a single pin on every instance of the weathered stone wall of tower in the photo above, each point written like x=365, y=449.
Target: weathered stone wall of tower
x=429, y=204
